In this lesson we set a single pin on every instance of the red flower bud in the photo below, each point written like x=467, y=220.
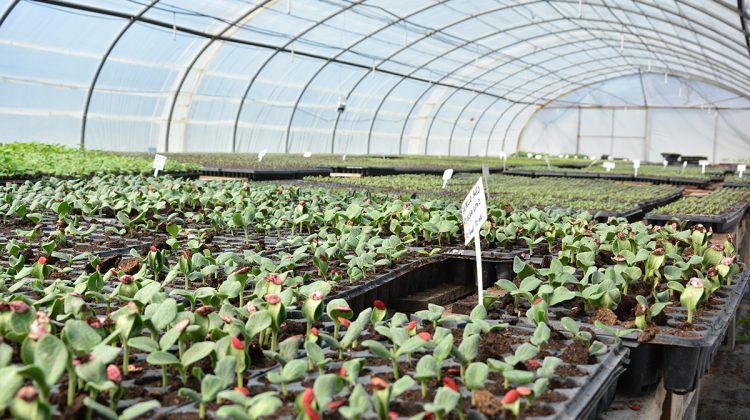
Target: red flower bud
x=424, y=335
x=274, y=278
x=28, y=393
x=242, y=390
x=333, y=405
x=379, y=304
x=345, y=322
x=126, y=279
x=450, y=383
x=524, y=391
x=342, y=372
x=226, y=319
x=152, y=248
x=180, y=326
x=272, y=299
x=237, y=343
x=42, y=260
x=204, y=310
x=19, y=306
x=392, y=414
x=412, y=325
x=511, y=396
x=114, y=374
x=538, y=301
x=314, y=331
x=307, y=399
x=342, y=308
x=378, y=383
x=534, y=363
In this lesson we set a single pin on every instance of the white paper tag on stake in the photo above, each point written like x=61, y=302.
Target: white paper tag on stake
x=474, y=211
x=486, y=176
x=159, y=162
x=636, y=165
x=664, y=163
x=261, y=155
x=307, y=154
x=741, y=169
x=343, y=157
x=608, y=166
x=448, y=174
x=703, y=164
x=504, y=155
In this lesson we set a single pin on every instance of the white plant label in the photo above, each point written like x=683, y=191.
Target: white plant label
x=684, y=165
x=505, y=159
x=636, y=165
x=592, y=157
x=261, y=155
x=664, y=163
x=703, y=164
x=159, y=162
x=546, y=159
x=538, y=157
x=448, y=174
x=343, y=157
x=474, y=212
x=741, y=169
x=608, y=166
x=307, y=154
x=529, y=155
x=486, y=176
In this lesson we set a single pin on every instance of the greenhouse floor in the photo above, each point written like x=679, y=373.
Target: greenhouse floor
x=725, y=391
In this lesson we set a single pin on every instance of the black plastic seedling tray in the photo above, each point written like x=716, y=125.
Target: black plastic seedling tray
x=735, y=185
x=724, y=223
x=682, y=361
x=587, y=396
x=265, y=174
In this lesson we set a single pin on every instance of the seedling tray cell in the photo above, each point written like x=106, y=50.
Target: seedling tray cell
x=723, y=223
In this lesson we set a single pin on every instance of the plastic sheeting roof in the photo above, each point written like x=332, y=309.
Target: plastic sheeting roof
x=171, y=73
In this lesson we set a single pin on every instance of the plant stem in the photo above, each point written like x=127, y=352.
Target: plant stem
x=164, y=377
x=202, y=410
x=71, y=385
x=125, y=357
x=394, y=363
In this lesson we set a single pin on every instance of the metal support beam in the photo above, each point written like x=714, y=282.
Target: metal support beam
x=714, y=136
x=578, y=132
x=210, y=41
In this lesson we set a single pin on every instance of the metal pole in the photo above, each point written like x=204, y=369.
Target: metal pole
x=578, y=132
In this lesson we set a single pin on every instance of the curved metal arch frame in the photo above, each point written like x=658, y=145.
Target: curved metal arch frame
x=100, y=67
x=197, y=57
x=640, y=74
x=516, y=73
x=429, y=130
x=231, y=40
x=290, y=122
x=667, y=52
x=268, y=60
x=541, y=22
x=637, y=71
x=8, y=11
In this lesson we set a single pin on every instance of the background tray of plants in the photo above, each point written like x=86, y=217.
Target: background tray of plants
x=673, y=285
x=720, y=210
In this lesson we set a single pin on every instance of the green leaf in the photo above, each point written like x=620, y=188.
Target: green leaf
x=196, y=352
x=10, y=382
x=51, y=356
x=476, y=375
x=161, y=358
x=138, y=410
x=211, y=385
x=80, y=336
x=326, y=387
x=518, y=377
x=402, y=385
x=377, y=349
x=410, y=346
x=100, y=409
x=146, y=344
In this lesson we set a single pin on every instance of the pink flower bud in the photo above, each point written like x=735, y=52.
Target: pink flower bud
x=272, y=299
x=180, y=326
x=696, y=282
x=42, y=260
x=126, y=279
x=274, y=278
x=114, y=374
x=316, y=295
x=28, y=393
x=19, y=306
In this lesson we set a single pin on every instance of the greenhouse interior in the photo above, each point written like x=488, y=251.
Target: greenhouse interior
x=374, y=209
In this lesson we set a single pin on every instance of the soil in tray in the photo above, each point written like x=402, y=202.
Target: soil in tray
x=669, y=322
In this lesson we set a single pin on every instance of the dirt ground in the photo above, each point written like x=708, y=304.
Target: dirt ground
x=725, y=390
